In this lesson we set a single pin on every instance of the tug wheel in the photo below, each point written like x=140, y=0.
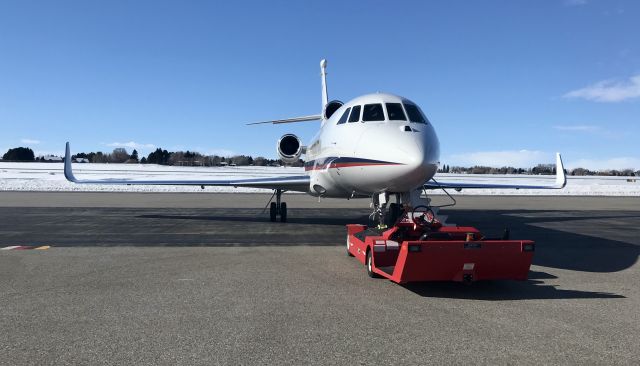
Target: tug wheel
x=425, y=219
x=348, y=252
x=369, y=265
x=273, y=211
x=283, y=212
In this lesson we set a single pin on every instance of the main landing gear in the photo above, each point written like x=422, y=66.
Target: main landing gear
x=278, y=208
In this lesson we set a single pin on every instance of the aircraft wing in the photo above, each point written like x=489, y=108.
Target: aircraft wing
x=561, y=182
x=290, y=183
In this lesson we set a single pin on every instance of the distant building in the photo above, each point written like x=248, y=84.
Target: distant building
x=51, y=158
x=82, y=160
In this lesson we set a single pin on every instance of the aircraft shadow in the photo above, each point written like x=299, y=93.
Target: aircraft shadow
x=581, y=241
x=263, y=218
x=567, y=246
x=564, y=248
x=586, y=241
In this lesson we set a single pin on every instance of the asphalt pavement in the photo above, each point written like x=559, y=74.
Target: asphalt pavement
x=207, y=279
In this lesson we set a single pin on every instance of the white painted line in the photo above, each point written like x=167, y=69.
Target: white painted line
x=11, y=247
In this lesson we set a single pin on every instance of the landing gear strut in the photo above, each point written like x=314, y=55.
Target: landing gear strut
x=380, y=214
x=386, y=214
x=278, y=208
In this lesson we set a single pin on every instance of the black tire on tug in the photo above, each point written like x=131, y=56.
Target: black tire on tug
x=348, y=252
x=283, y=212
x=273, y=212
x=369, y=265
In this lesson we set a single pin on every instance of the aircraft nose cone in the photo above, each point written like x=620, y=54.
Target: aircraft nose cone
x=417, y=157
x=422, y=159
x=414, y=169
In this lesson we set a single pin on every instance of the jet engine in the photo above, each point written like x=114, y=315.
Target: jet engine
x=331, y=108
x=290, y=148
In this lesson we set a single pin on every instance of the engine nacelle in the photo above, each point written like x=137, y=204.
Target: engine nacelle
x=331, y=108
x=290, y=148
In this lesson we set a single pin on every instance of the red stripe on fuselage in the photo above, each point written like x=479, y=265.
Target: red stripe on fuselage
x=345, y=165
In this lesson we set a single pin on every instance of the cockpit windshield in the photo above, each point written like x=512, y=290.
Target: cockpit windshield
x=415, y=114
x=395, y=112
x=372, y=112
x=355, y=114
x=344, y=117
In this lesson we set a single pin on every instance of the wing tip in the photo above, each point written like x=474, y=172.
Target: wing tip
x=561, y=176
x=68, y=171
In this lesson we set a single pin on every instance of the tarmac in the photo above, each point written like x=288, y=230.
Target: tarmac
x=142, y=278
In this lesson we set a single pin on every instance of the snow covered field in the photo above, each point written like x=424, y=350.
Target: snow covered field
x=50, y=177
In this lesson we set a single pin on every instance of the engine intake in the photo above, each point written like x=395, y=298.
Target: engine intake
x=290, y=148
x=331, y=108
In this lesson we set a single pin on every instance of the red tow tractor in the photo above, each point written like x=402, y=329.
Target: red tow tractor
x=418, y=247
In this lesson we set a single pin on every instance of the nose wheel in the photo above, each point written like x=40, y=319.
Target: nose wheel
x=385, y=214
x=278, y=208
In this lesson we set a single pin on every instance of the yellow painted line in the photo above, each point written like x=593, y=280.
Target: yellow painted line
x=42, y=247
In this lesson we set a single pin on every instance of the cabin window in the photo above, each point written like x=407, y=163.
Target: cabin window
x=344, y=117
x=415, y=115
x=355, y=114
x=372, y=112
x=395, y=112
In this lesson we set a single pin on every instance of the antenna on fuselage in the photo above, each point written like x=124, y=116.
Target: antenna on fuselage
x=323, y=74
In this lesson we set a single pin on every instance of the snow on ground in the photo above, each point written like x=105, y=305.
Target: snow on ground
x=50, y=177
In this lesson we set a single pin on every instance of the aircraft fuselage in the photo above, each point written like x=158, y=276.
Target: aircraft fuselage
x=360, y=156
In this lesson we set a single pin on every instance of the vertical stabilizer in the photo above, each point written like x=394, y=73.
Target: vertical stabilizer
x=323, y=73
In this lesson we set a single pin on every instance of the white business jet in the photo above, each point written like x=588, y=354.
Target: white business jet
x=373, y=146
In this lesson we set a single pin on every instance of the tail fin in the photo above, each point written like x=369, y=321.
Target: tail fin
x=315, y=117
x=323, y=73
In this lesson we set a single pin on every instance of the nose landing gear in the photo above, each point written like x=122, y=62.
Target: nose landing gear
x=278, y=208
x=379, y=205
x=385, y=214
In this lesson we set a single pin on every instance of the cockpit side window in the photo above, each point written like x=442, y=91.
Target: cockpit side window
x=395, y=112
x=355, y=114
x=372, y=112
x=344, y=117
x=415, y=115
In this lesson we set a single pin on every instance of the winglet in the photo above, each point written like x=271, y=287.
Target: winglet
x=561, y=177
x=68, y=172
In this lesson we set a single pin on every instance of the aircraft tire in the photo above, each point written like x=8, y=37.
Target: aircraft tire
x=283, y=212
x=273, y=212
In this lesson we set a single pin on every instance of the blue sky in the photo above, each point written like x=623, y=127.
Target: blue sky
x=504, y=82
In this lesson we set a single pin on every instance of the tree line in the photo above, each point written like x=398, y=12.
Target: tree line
x=540, y=169
x=159, y=156
x=179, y=158
x=189, y=158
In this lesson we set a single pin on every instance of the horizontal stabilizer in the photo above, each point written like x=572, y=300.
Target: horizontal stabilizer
x=315, y=117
